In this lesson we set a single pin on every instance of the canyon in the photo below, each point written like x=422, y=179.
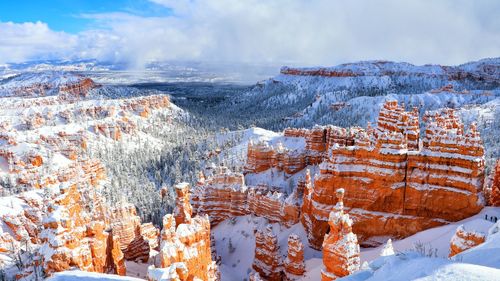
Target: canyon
x=299, y=204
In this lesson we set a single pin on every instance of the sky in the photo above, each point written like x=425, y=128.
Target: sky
x=293, y=32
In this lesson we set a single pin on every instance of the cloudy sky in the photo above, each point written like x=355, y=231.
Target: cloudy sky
x=302, y=32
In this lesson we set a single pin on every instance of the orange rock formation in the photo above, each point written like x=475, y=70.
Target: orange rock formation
x=394, y=187
x=224, y=195
x=464, y=240
x=495, y=188
x=267, y=261
x=340, y=246
x=294, y=263
x=185, y=252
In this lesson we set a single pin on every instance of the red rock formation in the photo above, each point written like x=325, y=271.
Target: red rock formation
x=294, y=262
x=183, y=209
x=464, y=240
x=340, y=246
x=224, y=195
x=185, y=246
x=267, y=261
x=393, y=190
x=136, y=240
x=495, y=188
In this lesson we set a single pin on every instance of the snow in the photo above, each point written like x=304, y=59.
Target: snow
x=413, y=266
x=78, y=275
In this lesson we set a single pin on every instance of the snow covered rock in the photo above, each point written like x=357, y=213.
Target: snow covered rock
x=495, y=188
x=185, y=246
x=340, y=246
x=267, y=260
x=464, y=240
x=294, y=266
x=393, y=186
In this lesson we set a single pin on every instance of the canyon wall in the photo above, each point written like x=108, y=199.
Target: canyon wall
x=395, y=187
x=224, y=195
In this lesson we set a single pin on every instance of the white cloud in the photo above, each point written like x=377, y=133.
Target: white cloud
x=282, y=31
x=26, y=41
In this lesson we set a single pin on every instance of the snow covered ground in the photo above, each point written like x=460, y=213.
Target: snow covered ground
x=480, y=263
x=78, y=275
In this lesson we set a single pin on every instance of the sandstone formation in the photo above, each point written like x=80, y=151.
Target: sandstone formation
x=495, y=188
x=340, y=246
x=294, y=263
x=224, y=195
x=267, y=261
x=393, y=186
x=185, y=252
x=464, y=240
x=136, y=240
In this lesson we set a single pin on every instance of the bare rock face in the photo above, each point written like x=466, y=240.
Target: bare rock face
x=495, y=188
x=394, y=187
x=464, y=240
x=294, y=263
x=185, y=252
x=340, y=246
x=267, y=260
x=261, y=156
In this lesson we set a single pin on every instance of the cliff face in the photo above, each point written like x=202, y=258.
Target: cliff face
x=267, y=260
x=224, y=195
x=185, y=251
x=340, y=246
x=464, y=240
x=392, y=186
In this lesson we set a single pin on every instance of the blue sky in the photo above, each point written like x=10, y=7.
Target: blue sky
x=68, y=15
x=292, y=32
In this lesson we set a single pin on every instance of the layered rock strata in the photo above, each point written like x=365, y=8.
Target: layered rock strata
x=463, y=240
x=224, y=195
x=185, y=252
x=294, y=266
x=267, y=261
x=395, y=187
x=340, y=246
x=495, y=187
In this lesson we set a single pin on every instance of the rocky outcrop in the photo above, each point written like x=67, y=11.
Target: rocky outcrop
x=183, y=209
x=224, y=195
x=261, y=156
x=294, y=266
x=136, y=240
x=185, y=252
x=267, y=261
x=393, y=186
x=340, y=246
x=463, y=240
x=495, y=187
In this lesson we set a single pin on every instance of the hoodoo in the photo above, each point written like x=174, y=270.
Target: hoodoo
x=340, y=246
x=267, y=260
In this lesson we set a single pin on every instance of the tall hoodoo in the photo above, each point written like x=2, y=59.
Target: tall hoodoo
x=294, y=262
x=495, y=188
x=267, y=260
x=340, y=246
x=183, y=210
x=185, y=252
